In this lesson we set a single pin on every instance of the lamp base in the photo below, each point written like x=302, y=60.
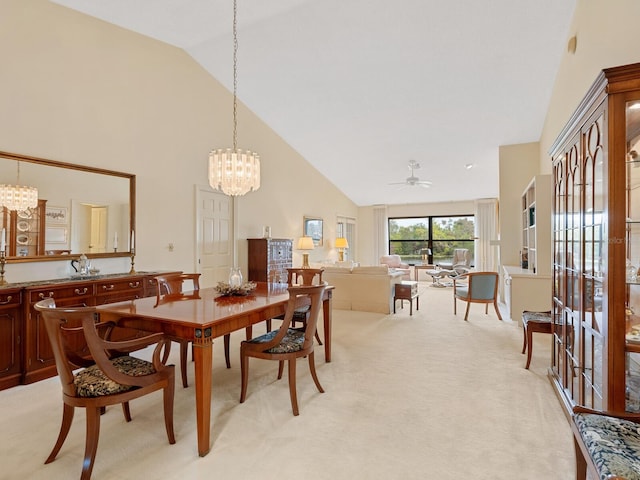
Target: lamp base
x=305, y=260
x=341, y=255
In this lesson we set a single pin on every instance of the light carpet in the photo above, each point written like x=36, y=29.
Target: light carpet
x=414, y=397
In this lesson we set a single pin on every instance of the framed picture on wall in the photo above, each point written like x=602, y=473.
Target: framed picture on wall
x=313, y=228
x=56, y=215
x=56, y=234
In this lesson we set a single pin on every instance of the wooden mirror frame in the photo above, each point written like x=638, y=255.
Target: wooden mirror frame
x=100, y=171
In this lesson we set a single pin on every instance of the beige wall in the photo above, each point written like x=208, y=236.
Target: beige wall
x=83, y=91
x=518, y=164
x=607, y=37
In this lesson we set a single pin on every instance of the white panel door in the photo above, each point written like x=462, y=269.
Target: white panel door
x=214, y=236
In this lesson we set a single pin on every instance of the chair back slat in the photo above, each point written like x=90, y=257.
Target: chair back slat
x=172, y=287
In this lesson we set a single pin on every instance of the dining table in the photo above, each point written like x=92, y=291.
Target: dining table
x=201, y=319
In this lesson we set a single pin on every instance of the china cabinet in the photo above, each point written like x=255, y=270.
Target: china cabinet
x=596, y=247
x=25, y=230
x=269, y=259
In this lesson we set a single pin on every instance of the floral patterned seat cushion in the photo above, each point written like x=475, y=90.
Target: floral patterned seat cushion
x=292, y=341
x=613, y=444
x=539, y=317
x=92, y=382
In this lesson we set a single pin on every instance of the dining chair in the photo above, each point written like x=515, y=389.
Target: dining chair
x=171, y=288
x=108, y=376
x=306, y=277
x=478, y=287
x=287, y=344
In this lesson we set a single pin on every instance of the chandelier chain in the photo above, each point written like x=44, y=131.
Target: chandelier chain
x=235, y=75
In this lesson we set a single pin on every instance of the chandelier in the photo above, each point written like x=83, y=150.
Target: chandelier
x=234, y=171
x=18, y=197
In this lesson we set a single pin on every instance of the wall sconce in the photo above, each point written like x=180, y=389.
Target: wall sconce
x=305, y=243
x=341, y=245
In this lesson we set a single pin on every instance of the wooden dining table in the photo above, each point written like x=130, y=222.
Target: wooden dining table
x=201, y=320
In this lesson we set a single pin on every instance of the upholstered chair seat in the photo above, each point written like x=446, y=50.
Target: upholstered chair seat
x=92, y=382
x=613, y=444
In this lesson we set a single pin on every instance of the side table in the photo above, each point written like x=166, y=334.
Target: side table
x=406, y=290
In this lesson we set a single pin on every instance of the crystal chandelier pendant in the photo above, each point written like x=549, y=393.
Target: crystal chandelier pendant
x=234, y=171
x=17, y=197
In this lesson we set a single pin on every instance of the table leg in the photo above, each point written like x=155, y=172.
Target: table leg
x=203, y=356
x=327, y=308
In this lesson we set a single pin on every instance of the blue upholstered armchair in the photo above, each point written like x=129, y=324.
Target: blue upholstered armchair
x=480, y=287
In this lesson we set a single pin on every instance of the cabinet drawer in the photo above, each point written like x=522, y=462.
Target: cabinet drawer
x=126, y=285
x=76, y=291
x=9, y=299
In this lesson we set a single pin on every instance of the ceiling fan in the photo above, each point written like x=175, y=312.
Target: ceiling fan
x=412, y=180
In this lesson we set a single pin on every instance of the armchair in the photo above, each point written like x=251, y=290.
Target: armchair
x=481, y=287
x=395, y=262
x=108, y=377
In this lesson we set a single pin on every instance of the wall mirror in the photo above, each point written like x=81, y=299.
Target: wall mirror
x=80, y=210
x=313, y=228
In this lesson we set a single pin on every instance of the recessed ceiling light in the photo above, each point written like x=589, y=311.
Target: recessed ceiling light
x=469, y=166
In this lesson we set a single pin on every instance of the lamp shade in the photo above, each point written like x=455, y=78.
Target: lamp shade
x=341, y=242
x=305, y=243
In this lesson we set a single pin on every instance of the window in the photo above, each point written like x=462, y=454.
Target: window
x=410, y=237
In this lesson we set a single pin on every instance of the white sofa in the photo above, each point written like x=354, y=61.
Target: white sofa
x=367, y=289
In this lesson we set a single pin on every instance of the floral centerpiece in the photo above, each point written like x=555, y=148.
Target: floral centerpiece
x=228, y=290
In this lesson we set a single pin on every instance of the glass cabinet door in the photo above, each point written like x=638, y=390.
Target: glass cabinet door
x=632, y=307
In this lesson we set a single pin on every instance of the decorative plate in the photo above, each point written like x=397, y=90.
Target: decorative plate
x=22, y=239
x=227, y=290
x=633, y=337
x=23, y=226
x=25, y=214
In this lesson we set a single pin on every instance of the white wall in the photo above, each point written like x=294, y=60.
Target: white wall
x=607, y=35
x=83, y=91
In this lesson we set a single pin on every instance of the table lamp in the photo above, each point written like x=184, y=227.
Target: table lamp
x=341, y=245
x=305, y=243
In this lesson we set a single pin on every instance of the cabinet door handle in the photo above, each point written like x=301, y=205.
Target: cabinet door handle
x=43, y=296
x=108, y=287
x=134, y=284
x=81, y=292
x=9, y=297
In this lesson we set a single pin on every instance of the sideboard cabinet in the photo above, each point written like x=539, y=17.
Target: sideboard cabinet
x=25, y=352
x=596, y=247
x=10, y=337
x=269, y=259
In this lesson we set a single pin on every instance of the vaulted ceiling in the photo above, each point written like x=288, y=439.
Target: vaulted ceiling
x=361, y=87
